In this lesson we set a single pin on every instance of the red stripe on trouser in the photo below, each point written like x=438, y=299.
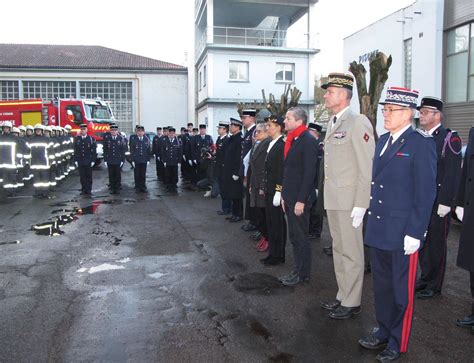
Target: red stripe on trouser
x=408, y=317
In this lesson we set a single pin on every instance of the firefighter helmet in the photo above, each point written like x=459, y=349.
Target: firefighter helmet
x=39, y=127
x=7, y=124
x=29, y=127
x=68, y=127
x=16, y=130
x=48, y=128
x=22, y=128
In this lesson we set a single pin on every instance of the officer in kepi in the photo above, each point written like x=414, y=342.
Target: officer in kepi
x=172, y=153
x=115, y=148
x=403, y=190
x=85, y=155
x=448, y=147
x=140, y=152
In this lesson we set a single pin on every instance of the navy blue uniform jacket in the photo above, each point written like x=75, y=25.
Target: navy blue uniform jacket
x=114, y=150
x=85, y=150
x=403, y=190
x=300, y=171
x=140, y=151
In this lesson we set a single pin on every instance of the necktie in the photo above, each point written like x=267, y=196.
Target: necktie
x=114, y=137
x=334, y=121
x=202, y=137
x=141, y=138
x=390, y=141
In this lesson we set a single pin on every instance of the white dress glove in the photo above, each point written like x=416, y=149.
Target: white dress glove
x=147, y=162
x=443, y=210
x=76, y=164
x=92, y=164
x=277, y=199
x=357, y=216
x=460, y=213
x=164, y=164
x=235, y=177
x=105, y=162
x=195, y=162
x=121, y=163
x=190, y=162
x=184, y=157
x=317, y=192
x=410, y=245
x=133, y=163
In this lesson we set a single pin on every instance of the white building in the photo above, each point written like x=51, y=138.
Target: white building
x=140, y=90
x=242, y=47
x=413, y=36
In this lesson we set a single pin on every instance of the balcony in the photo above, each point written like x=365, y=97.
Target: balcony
x=253, y=37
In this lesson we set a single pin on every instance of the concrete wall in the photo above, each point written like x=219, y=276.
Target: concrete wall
x=388, y=34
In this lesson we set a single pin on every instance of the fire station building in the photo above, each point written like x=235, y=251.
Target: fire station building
x=139, y=90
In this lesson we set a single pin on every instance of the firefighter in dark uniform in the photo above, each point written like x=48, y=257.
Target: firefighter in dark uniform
x=465, y=213
x=71, y=164
x=140, y=151
x=25, y=133
x=221, y=146
x=115, y=148
x=248, y=121
x=22, y=155
x=85, y=155
x=448, y=147
x=8, y=159
x=156, y=150
x=185, y=166
x=201, y=141
x=172, y=154
x=233, y=187
x=403, y=190
x=42, y=155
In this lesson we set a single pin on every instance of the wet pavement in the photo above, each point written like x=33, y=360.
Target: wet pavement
x=161, y=278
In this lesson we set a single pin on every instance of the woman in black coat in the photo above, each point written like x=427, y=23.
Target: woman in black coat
x=233, y=184
x=465, y=212
x=276, y=224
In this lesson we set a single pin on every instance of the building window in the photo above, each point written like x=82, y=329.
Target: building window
x=407, y=51
x=204, y=76
x=239, y=71
x=49, y=89
x=457, y=64
x=285, y=72
x=9, y=90
x=117, y=94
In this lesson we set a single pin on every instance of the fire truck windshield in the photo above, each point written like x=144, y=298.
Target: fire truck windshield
x=98, y=112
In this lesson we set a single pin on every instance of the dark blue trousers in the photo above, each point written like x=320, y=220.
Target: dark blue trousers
x=394, y=276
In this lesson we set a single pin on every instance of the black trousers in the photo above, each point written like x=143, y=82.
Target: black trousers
x=85, y=176
x=237, y=207
x=140, y=176
x=160, y=169
x=472, y=291
x=315, y=220
x=261, y=221
x=434, y=251
x=249, y=211
x=298, y=227
x=276, y=226
x=226, y=204
x=115, y=177
x=171, y=175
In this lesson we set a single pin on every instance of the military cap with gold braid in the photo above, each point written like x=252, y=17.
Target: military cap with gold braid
x=340, y=80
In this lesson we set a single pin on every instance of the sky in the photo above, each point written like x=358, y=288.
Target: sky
x=163, y=29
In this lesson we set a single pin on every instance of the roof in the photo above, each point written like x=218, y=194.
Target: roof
x=80, y=57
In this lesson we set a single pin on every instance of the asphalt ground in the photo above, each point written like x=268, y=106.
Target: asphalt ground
x=162, y=278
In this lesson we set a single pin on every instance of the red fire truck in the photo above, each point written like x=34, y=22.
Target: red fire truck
x=61, y=112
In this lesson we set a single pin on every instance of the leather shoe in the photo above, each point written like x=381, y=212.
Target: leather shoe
x=222, y=213
x=249, y=227
x=273, y=261
x=330, y=305
x=467, y=321
x=295, y=281
x=229, y=217
x=427, y=294
x=235, y=219
x=327, y=250
x=420, y=287
x=343, y=312
x=291, y=275
x=372, y=342
x=388, y=355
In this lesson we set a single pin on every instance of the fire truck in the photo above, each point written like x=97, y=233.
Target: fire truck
x=95, y=113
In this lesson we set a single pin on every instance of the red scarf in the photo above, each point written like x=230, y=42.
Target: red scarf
x=292, y=136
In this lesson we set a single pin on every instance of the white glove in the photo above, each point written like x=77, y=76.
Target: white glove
x=105, y=162
x=460, y=213
x=147, y=162
x=357, y=216
x=158, y=158
x=410, y=245
x=190, y=162
x=121, y=163
x=277, y=199
x=76, y=163
x=133, y=163
x=92, y=164
x=164, y=164
x=317, y=192
x=235, y=177
x=184, y=158
x=195, y=162
x=443, y=210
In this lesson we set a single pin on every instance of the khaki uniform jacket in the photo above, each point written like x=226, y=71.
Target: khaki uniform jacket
x=348, y=154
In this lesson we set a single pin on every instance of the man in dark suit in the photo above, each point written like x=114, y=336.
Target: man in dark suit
x=233, y=187
x=448, y=148
x=465, y=213
x=316, y=217
x=85, y=155
x=248, y=121
x=172, y=153
x=156, y=150
x=140, y=151
x=115, y=147
x=221, y=145
x=403, y=190
x=298, y=192
x=201, y=141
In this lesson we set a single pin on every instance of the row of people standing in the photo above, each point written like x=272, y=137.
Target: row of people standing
x=40, y=155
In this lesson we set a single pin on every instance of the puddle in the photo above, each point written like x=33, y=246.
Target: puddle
x=259, y=284
x=282, y=358
x=10, y=243
x=258, y=329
